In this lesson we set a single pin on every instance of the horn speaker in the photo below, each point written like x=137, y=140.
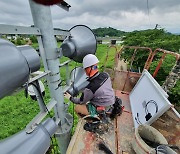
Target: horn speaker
x=81, y=42
x=36, y=142
x=79, y=81
x=16, y=63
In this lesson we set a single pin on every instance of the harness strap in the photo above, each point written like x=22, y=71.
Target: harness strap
x=97, y=82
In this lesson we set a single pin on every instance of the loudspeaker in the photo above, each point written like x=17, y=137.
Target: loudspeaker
x=36, y=142
x=31, y=57
x=79, y=81
x=81, y=42
x=16, y=64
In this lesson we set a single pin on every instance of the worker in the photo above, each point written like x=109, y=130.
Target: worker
x=98, y=93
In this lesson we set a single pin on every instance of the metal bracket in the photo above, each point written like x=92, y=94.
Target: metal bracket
x=39, y=117
x=65, y=63
x=61, y=32
x=39, y=76
x=64, y=5
x=66, y=126
x=10, y=29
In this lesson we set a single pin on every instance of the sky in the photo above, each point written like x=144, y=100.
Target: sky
x=126, y=15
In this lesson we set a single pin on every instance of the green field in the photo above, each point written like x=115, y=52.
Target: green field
x=17, y=111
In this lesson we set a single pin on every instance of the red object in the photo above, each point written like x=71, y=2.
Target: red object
x=47, y=2
x=100, y=108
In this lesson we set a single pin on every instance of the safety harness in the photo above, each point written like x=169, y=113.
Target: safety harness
x=94, y=85
x=99, y=117
x=97, y=82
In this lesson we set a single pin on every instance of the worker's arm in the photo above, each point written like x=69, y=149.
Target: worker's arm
x=86, y=96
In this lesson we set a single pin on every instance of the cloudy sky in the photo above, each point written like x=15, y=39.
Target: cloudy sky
x=127, y=15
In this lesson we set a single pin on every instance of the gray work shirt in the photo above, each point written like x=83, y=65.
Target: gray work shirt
x=103, y=96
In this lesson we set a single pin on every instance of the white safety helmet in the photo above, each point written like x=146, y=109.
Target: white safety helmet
x=89, y=60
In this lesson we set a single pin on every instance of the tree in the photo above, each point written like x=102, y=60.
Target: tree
x=33, y=39
x=155, y=39
x=18, y=41
x=102, y=32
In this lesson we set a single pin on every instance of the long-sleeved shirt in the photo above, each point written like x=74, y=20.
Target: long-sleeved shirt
x=99, y=91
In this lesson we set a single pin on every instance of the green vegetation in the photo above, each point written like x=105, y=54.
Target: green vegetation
x=33, y=38
x=102, y=32
x=17, y=111
x=155, y=39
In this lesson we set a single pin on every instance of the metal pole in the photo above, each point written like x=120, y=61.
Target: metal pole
x=42, y=19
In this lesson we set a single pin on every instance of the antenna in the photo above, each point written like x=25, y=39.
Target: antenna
x=148, y=11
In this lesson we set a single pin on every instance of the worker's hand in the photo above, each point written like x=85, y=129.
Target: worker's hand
x=67, y=95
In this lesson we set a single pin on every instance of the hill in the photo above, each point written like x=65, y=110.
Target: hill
x=153, y=38
x=102, y=32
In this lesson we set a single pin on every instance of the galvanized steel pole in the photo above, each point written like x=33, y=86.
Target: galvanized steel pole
x=43, y=20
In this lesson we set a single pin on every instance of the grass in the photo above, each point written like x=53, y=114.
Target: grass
x=17, y=111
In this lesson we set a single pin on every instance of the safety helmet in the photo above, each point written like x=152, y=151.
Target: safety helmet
x=89, y=60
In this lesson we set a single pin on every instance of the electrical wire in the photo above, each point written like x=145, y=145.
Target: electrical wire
x=150, y=102
x=147, y=2
x=148, y=7
x=147, y=111
x=40, y=93
x=137, y=119
x=73, y=91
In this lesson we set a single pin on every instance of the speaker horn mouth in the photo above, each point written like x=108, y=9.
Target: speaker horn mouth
x=81, y=42
x=79, y=81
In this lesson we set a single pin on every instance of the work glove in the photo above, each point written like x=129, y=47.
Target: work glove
x=67, y=95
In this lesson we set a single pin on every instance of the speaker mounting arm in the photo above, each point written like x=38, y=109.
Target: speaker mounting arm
x=64, y=5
